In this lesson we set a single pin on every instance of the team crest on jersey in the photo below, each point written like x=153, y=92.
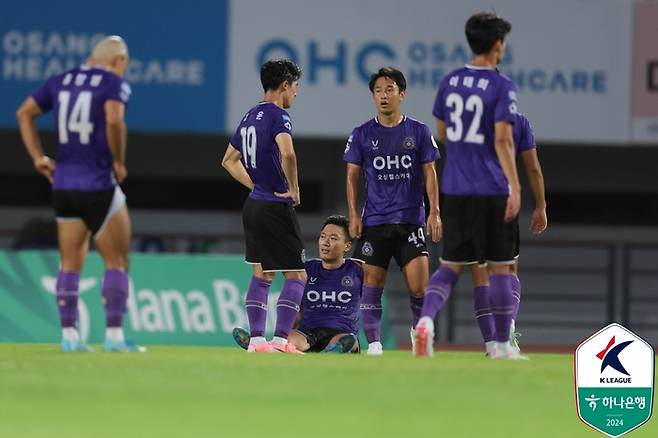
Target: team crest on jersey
x=367, y=249
x=347, y=281
x=409, y=143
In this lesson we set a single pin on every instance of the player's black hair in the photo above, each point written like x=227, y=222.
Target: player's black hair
x=388, y=72
x=341, y=221
x=484, y=29
x=275, y=72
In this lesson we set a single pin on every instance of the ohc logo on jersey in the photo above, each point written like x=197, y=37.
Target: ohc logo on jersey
x=391, y=162
x=614, y=372
x=329, y=296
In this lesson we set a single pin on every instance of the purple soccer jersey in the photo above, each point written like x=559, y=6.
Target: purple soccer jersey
x=392, y=161
x=77, y=98
x=255, y=139
x=524, y=136
x=470, y=101
x=331, y=297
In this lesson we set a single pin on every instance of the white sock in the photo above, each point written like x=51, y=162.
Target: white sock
x=279, y=341
x=70, y=334
x=503, y=348
x=490, y=347
x=257, y=340
x=114, y=334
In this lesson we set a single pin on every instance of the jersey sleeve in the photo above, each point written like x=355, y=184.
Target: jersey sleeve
x=438, y=111
x=44, y=96
x=527, y=141
x=429, y=150
x=506, y=104
x=118, y=90
x=352, y=152
x=281, y=123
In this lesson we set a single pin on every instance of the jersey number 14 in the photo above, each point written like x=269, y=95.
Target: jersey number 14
x=78, y=120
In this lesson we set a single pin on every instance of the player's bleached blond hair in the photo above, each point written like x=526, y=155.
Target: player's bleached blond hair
x=108, y=48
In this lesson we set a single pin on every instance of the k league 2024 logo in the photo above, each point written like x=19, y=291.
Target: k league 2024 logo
x=614, y=372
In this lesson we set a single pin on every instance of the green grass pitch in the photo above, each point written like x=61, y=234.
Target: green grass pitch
x=224, y=392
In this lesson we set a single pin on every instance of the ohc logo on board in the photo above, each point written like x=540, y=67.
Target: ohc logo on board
x=614, y=372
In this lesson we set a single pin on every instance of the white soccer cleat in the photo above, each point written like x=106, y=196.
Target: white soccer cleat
x=375, y=349
x=424, y=334
x=505, y=351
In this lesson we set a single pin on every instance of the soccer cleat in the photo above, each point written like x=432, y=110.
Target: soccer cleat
x=412, y=334
x=241, y=337
x=263, y=347
x=425, y=338
x=514, y=340
x=344, y=344
x=126, y=346
x=75, y=347
x=375, y=349
x=505, y=351
x=284, y=348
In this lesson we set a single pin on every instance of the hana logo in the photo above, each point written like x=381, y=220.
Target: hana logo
x=614, y=373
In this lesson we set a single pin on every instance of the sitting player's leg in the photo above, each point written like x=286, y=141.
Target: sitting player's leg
x=73, y=237
x=299, y=340
x=482, y=307
x=342, y=343
x=113, y=242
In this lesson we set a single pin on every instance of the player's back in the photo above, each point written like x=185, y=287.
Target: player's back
x=470, y=101
x=77, y=98
x=255, y=139
x=332, y=296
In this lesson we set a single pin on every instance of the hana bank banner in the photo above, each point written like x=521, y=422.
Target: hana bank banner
x=178, y=49
x=174, y=299
x=570, y=60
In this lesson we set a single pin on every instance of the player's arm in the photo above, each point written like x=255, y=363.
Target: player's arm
x=289, y=166
x=432, y=190
x=506, y=156
x=441, y=130
x=232, y=162
x=26, y=116
x=115, y=130
x=539, y=220
x=353, y=174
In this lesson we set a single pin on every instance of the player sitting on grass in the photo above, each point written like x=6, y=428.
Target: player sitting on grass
x=330, y=304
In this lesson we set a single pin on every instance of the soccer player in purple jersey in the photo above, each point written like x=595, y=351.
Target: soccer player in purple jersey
x=89, y=103
x=396, y=155
x=526, y=147
x=260, y=156
x=330, y=306
x=476, y=109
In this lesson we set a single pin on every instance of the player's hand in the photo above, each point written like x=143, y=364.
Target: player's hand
x=356, y=227
x=120, y=171
x=293, y=195
x=435, y=227
x=46, y=167
x=539, y=221
x=513, y=206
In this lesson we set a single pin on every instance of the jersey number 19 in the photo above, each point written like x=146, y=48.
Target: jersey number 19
x=248, y=135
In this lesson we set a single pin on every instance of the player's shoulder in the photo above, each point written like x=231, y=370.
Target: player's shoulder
x=354, y=264
x=522, y=120
x=367, y=125
x=415, y=123
x=312, y=264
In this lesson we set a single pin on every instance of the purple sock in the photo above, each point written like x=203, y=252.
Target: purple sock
x=371, y=312
x=483, y=313
x=416, y=304
x=256, y=305
x=438, y=291
x=516, y=293
x=287, y=307
x=115, y=296
x=66, y=293
x=502, y=304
